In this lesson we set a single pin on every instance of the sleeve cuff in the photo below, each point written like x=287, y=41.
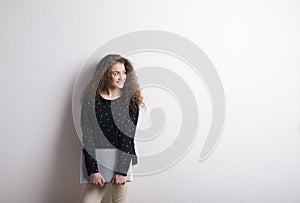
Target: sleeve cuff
x=91, y=172
x=124, y=174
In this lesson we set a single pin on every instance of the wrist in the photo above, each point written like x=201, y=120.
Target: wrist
x=123, y=174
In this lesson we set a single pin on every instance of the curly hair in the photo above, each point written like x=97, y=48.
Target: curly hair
x=101, y=77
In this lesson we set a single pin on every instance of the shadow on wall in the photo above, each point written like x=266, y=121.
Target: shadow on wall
x=63, y=184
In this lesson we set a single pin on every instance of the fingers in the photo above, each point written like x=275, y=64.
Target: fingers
x=118, y=181
x=98, y=181
x=102, y=181
x=93, y=180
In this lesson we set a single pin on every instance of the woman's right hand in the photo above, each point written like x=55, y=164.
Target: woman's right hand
x=97, y=179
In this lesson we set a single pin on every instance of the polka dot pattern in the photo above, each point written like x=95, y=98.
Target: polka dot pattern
x=117, y=122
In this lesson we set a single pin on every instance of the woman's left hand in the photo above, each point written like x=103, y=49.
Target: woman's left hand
x=119, y=179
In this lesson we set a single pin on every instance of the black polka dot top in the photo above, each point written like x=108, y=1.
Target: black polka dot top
x=111, y=124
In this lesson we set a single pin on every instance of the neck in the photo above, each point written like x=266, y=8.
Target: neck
x=113, y=92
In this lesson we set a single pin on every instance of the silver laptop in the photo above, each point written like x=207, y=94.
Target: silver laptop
x=106, y=159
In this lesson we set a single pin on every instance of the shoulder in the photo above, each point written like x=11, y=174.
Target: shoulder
x=88, y=104
x=88, y=100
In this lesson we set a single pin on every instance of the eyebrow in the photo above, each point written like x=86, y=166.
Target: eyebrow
x=118, y=71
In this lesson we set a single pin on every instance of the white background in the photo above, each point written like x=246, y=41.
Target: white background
x=254, y=46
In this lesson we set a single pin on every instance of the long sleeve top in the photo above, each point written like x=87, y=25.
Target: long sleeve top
x=109, y=124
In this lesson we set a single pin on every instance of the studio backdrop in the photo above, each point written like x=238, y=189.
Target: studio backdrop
x=220, y=81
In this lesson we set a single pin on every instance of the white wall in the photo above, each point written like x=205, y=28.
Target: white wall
x=254, y=46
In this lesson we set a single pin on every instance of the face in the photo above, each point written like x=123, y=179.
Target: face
x=117, y=75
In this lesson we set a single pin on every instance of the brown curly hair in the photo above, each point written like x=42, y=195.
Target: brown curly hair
x=101, y=76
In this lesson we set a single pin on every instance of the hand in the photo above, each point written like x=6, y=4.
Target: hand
x=97, y=179
x=119, y=179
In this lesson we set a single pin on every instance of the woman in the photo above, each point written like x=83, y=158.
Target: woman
x=109, y=115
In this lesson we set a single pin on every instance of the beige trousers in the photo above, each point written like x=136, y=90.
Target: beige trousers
x=94, y=194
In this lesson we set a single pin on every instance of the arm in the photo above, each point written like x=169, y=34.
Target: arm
x=126, y=142
x=88, y=137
